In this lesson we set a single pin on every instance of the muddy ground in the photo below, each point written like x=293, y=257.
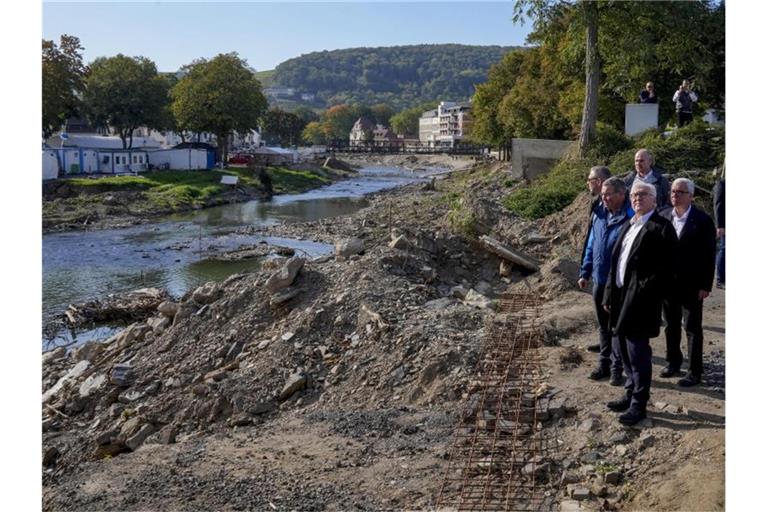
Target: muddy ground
x=340, y=388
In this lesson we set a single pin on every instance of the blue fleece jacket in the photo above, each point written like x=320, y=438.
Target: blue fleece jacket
x=602, y=237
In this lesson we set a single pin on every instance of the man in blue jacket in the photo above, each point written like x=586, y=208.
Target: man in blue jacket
x=607, y=220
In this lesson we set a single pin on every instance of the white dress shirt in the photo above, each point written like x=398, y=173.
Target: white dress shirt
x=636, y=224
x=679, y=222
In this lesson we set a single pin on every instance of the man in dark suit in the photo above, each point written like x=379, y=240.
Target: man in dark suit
x=637, y=284
x=646, y=171
x=694, y=269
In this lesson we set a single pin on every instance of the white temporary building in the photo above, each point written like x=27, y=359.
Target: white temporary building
x=188, y=158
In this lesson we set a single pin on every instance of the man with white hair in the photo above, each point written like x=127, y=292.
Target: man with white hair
x=644, y=171
x=694, y=270
x=637, y=284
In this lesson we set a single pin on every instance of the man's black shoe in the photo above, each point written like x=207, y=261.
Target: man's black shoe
x=617, y=379
x=594, y=348
x=689, y=380
x=631, y=417
x=622, y=404
x=720, y=285
x=669, y=371
x=600, y=373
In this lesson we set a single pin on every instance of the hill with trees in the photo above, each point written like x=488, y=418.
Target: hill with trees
x=400, y=76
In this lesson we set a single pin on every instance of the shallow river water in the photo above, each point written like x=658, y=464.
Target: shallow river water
x=79, y=266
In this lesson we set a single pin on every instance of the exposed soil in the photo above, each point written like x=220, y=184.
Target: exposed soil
x=340, y=390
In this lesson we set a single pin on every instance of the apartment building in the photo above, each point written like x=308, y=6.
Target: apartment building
x=446, y=125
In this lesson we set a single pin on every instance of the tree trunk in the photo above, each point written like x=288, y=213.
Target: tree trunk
x=123, y=137
x=589, y=115
x=222, y=139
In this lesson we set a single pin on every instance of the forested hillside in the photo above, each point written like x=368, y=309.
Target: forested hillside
x=401, y=76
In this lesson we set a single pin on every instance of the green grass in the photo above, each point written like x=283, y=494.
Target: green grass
x=180, y=189
x=551, y=192
x=289, y=181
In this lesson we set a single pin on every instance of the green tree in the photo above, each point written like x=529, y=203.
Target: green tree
x=306, y=114
x=219, y=96
x=125, y=93
x=63, y=82
x=313, y=133
x=406, y=122
x=283, y=128
x=338, y=121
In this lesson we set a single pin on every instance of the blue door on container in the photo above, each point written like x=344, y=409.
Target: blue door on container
x=211, y=160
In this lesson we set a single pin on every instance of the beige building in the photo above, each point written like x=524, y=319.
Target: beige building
x=446, y=125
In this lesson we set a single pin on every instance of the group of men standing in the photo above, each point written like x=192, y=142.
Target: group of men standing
x=648, y=250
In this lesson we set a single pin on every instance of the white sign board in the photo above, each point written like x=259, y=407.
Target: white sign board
x=639, y=117
x=229, y=180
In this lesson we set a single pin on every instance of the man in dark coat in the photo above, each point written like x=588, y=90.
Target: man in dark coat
x=597, y=175
x=637, y=284
x=646, y=172
x=694, y=268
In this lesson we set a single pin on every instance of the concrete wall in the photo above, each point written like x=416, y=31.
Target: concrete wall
x=533, y=157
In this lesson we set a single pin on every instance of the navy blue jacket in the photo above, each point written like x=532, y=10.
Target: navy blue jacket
x=596, y=263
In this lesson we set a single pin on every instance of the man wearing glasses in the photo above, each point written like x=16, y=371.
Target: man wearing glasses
x=645, y=172
x=607, y=221
x=597, y=175
x=694, y=269
x=648, y=95
x=638, y=282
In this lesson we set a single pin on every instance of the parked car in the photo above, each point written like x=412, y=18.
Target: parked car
x=241, y=158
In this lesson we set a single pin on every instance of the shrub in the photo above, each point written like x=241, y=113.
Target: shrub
x=551, y=192
x=608, y=141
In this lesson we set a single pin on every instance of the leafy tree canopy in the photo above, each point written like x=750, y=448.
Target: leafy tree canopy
x=63, y=82
x=125, y=93
x=540, y=92
x=220, y=96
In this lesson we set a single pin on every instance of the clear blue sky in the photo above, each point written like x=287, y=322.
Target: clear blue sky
x=175, y=33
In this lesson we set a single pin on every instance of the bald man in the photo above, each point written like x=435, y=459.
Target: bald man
x=645, y=172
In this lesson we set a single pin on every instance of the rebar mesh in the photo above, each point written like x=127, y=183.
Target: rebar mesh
x=502, y=452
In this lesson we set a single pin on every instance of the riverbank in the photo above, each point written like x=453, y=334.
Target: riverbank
x=334, y=383
x=119, y=201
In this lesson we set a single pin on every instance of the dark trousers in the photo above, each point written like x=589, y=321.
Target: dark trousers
x=720, y=266
x=610, y=354
x=683, y=118
x=686, y=308
x=636, y=353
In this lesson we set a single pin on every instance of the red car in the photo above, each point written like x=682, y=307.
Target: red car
x=240, y=158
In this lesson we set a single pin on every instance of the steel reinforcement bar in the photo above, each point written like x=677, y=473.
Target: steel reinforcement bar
x=501, y=456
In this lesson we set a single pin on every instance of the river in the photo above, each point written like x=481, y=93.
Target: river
x=78, y=266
